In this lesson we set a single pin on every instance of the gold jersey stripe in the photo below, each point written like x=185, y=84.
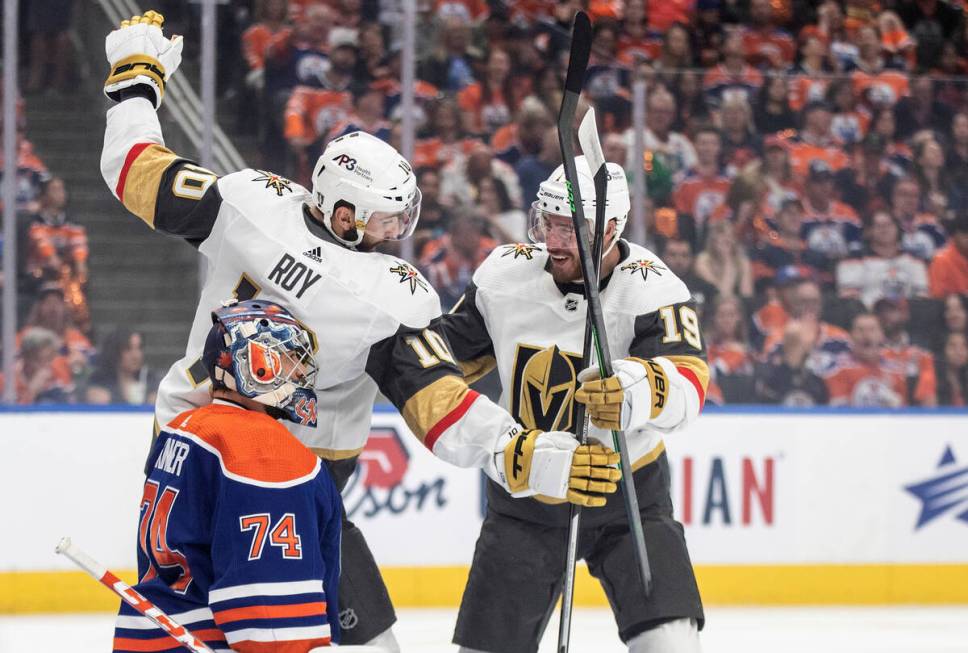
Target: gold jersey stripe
x=433, y=403
x=143, y=181
x=477, y=368
x=336, y=454
x=695, y=364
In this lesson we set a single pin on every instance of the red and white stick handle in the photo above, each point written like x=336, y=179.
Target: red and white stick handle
x=178, y=632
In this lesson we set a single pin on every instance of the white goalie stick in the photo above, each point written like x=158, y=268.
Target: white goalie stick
x=130, y=596
x=581, y=43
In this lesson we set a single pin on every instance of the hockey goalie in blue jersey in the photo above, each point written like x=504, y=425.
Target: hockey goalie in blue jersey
x=239, y=530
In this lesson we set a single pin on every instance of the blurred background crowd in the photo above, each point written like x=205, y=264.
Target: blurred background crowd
x=805, y=165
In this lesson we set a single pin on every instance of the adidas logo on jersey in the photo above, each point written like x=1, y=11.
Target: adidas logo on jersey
x=316, y=254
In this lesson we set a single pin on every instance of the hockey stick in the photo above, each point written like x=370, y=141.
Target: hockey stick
x=588, y=137
x=577, y=63
x=177, y=632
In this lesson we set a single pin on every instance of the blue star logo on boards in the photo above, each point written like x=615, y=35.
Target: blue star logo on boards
x=945, y=493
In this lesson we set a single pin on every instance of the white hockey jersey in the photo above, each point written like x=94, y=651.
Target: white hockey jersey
x=373, y=317
x=514, y=315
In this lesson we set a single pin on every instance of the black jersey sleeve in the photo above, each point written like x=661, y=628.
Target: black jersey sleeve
x=673, y=332
x=465, y=330
x=416, y=370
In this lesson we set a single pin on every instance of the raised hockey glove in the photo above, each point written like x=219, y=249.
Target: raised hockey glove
x=140, y=54
x=634, y=396
x=554, y=465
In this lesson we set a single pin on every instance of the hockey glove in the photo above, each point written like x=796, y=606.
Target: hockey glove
x=554, y=465
x=630, y=399
x=140, y=54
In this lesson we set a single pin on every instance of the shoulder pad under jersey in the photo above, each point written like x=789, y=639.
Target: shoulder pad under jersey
x=251, y=447
x=257, y=193
x=642, y=283
x=511, y=268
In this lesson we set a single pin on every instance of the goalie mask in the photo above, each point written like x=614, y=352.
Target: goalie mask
x=552, y=200
x=369, y=177
x=258, y=349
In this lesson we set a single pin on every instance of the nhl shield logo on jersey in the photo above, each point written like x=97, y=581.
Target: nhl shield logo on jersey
x=643, y=266
x=408, y=273
x=274, y=181
x=543, y=387
x=519, y=249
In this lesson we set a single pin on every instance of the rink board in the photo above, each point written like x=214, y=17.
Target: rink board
x=779, y=507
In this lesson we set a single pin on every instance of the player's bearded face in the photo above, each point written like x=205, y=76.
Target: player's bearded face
x=558, y=234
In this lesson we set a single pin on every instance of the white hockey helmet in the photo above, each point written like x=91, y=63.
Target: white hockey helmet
x=553, y=198
x=370, y=175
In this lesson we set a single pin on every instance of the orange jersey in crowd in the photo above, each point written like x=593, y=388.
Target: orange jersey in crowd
x=917, y=367
x=804, y=89
x=802, y=153
x=886, y=87
x=769, y=47
x=663, y=14
x=498, y=111
x=312, y=112
x=700, y=196
x=859, y=384
x=59, y=379
x=718, y=79
x=630, y=49
x=948, y=273
x=729, y=358
x=67, y=241
x=433, y=152
x=257, y=40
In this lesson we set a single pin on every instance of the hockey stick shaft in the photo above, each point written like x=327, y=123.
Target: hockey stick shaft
x=128, y=594
x=581, y=424
x=578, y=62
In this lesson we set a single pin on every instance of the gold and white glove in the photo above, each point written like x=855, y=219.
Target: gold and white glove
x=140, y=54
x=552, y=464
x=631, y=398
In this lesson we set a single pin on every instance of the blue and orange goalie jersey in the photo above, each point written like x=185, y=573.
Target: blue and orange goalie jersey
x=238, y=537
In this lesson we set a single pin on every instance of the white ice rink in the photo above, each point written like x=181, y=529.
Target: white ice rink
x=729, y=630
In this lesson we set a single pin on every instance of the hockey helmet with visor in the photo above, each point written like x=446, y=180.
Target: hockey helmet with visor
x=374, y=181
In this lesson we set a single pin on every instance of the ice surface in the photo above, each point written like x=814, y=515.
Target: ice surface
x=896, y=629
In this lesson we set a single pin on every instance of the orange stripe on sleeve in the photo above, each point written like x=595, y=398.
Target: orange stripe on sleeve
x=270, y=612
x=164, y=643
x=301, y=646
x=128, y=160
x=696, y=371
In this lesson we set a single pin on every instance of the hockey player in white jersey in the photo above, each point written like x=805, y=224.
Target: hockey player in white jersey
x=525, y=311
x=373, y=318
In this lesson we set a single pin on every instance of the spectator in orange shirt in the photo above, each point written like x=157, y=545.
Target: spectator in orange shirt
x=57, y=250
x=815, y=141
x=948, y=273
x=733, y=76
x=865, y=379
x=880, y=80
x=490, y=102
x=952, y=371
x=764, y=44
x=50, y=312
x=42, y=375
x=730, y=359
x=271, y=28
x=702, y=189
x=809, y=77
x=913, y=362
x=449, y=262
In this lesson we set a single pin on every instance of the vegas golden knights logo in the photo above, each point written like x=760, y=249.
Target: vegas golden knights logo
x=543, y=387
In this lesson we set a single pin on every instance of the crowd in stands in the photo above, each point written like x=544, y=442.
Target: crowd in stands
x=806, y=162
x=56, y=361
